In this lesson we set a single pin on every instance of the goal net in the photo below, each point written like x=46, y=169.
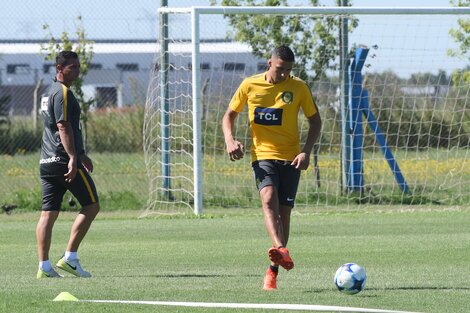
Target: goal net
x=417, y=96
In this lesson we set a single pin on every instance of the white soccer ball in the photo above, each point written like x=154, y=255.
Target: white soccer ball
x=350, y=278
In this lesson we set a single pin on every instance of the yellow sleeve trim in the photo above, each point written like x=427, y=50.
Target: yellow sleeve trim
x=65, y=93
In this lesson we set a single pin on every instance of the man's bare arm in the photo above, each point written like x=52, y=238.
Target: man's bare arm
x=302, y=160
x=234, y=148
x=66, y=137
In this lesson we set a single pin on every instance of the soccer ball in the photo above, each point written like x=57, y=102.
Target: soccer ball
x=350, y=278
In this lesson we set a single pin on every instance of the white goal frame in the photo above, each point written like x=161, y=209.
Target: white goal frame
x=196, y=11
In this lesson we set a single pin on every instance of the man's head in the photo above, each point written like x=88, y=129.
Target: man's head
x=284, y=53
x=67, y=67
x=280, y=64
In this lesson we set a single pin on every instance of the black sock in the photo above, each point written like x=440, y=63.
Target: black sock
x=281, y=247
x=274, y=268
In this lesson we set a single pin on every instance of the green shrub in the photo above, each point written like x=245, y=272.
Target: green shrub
x=407, y=122
x=19, y=137
x=116, y=130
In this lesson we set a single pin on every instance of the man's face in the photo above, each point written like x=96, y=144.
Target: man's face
x=279, y=69
x=71, y=69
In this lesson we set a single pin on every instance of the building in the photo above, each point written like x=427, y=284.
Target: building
x=120, y=72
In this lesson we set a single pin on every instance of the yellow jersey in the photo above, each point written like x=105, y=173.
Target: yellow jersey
x=273, y=113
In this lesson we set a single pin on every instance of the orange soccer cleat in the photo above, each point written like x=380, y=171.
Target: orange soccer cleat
x=281, y=256
x=269, y=281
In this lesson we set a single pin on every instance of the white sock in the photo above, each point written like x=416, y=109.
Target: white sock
x=45, y=265
x=69, y=255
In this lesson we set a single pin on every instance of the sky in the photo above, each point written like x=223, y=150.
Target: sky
x=119, y=18
x=124, y=19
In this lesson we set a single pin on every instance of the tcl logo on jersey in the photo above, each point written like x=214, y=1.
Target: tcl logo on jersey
x=268, y=116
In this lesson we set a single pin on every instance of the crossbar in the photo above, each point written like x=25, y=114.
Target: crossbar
x=316, y=10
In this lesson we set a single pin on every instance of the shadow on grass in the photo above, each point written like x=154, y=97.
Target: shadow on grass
x=420, y=288
x=182, y=276
x=362, y=294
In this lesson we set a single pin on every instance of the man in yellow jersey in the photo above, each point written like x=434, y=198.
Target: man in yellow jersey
x=64, y=166
x=274, y=99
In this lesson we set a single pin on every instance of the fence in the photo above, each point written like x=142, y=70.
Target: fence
x=415, y=96
x=117, y=81
x=417, y=104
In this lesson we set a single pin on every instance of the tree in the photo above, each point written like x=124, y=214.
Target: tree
x=462, y=36
x=84, y=49
x=429, y=78
x=312, y=38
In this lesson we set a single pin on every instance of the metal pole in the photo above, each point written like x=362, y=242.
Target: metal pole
x=196, y=90
x=344, y=79
x=164, y=95
x=382, y=141
x=35, y=102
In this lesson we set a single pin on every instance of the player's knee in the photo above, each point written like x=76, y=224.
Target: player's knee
x=268, y=192
x=91, y=210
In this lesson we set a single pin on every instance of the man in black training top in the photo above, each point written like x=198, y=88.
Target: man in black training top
x=64, y=166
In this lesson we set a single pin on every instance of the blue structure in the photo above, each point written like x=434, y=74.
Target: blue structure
x=353, y=139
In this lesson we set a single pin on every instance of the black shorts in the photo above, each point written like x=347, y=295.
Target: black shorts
x=54, y=187
x=280, y=174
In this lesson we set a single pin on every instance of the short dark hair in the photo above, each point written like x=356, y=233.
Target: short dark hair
x=284, y=53
x=63, y=56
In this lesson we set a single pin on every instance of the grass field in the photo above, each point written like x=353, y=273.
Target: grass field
x=416, y=260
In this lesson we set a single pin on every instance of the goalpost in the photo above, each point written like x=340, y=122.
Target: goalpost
x=411, y=114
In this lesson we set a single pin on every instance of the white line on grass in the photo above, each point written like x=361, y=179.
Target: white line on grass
x=297, y=307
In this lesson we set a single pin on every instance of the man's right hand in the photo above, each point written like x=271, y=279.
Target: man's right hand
x=235, y=150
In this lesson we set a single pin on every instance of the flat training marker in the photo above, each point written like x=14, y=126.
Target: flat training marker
x=65, y=296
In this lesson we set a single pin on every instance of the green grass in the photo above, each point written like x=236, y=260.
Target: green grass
x=416, y=260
